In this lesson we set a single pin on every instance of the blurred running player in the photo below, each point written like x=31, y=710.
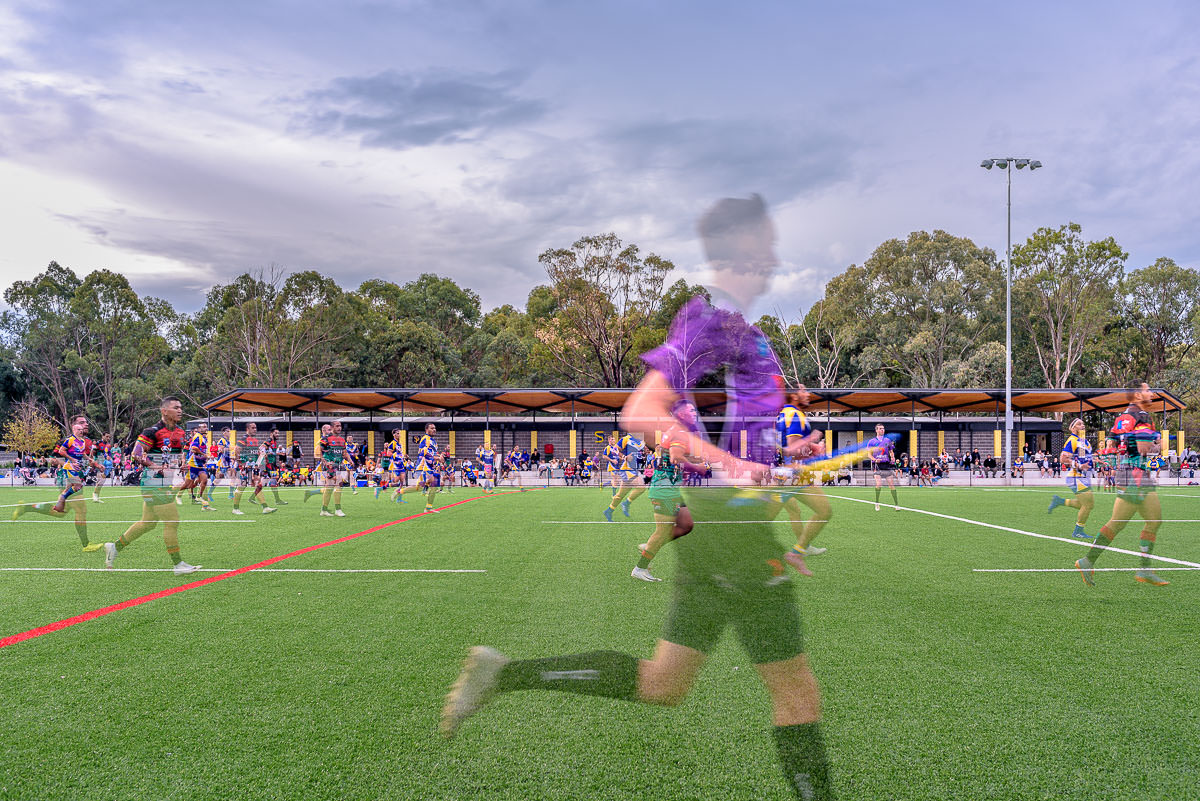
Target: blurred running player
x=625, y=477
x=799, y=440
x=1137, y=442
x=1077, y=461
x=161, y=439
x=727, y=577
x=426, y=472
x=76, y=452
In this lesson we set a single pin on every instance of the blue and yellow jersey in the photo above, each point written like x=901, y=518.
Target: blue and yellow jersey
x=631, y=448
x=1080, y=451
x=487, y=457
x=791, y=422
x=427, y=453
x=197, y=445
x=614, y=457
x=223, y=450
x=77, y=451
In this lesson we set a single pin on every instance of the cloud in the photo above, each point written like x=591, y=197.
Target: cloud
x=399, y=111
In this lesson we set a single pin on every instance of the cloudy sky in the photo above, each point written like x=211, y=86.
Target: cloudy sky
x=184, y=143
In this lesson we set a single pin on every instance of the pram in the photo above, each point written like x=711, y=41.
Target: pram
x=133, y=479
x=27, y=476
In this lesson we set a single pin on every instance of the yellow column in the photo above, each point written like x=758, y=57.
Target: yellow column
x=859, y=435
x=829, y=440
x=317, y=444
x=532, y=441
x=208, y=440
x=370, y=443
x=487, y=437
x=574, y=453
x=1166, y=442
x=996, y=442
x=1179, y=442
x=451, y=438
x=1020, y=444
x=912, y=444
x=742, y=452
x=403, y=440
x=657, y=437
x=289, y=438
x=941, y=442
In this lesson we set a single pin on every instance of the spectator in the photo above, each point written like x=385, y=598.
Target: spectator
x=989, y=467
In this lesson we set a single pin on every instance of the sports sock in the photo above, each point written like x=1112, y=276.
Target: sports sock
x=1102, y=541
x=895, y=500
x=610, y=674
x=81, y=530
x=1147, y=547
x=173, y=552
x=337, y=506
x=802, y=755
x=877, y=495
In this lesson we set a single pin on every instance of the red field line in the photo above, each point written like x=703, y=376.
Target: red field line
x=57, y=625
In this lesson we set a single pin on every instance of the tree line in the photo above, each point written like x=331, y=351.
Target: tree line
x=926, y=311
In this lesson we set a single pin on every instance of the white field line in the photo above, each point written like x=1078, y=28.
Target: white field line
x=1069, y=569
x=1069, y=541
x=224, y=570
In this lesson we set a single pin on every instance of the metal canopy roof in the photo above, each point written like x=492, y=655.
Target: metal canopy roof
x=606, y=401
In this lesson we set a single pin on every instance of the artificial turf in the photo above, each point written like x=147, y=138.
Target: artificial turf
x=938, y=682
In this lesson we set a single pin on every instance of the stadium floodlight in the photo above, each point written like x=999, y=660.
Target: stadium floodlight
x=1006, y=163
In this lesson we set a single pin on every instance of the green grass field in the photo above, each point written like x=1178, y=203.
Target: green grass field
x=938, y=681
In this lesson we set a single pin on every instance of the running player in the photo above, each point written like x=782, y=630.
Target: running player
x=161, y=439
x=883, y=464
x=446, y=469
x=102, y=452
x=1077, y=460
x=487, y=459
x=225, y=461
x=725, y=578
x=798, y=439
x=333, y=455
x=196, y=476
x=353, y=461
x=426, y=471
x=386, y=463
x=77, y=454
x=625, y=477
x=1138, y=442
x=274, y=451
x=513, y=460
x=212, y=466
x=612, y=459
x=672, y=519
x=251, y=456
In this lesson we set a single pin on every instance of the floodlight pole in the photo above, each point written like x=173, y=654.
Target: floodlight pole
x=1007, y=164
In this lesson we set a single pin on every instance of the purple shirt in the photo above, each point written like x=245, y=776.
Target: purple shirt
x=882, y=449
x=702, y=340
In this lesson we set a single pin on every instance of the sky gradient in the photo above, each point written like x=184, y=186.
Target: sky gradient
x=184, y=143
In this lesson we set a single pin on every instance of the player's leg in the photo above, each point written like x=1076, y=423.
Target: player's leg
x=1122, y=513
x=433, y=482
x=815, y=500
x=169, y=516
x=1083, y=502
x=663, y=680
x=72, y=485
x=878, y=488
x=147, y=523
x=336, y=495
x=101, y=475
x=201, y=481
x=80, y=509
x=1151, y=512
x=665, y=513
x=796, y=715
